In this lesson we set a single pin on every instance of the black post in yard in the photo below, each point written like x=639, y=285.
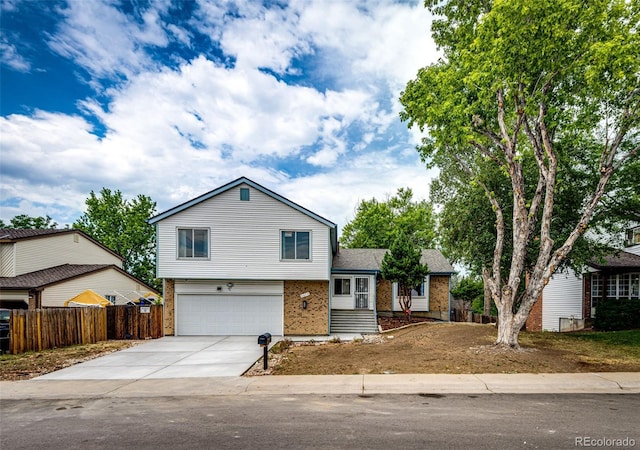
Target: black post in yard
x=264, y=340
x=265, y=358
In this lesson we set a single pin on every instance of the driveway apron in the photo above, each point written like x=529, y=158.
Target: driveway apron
x=170, y=357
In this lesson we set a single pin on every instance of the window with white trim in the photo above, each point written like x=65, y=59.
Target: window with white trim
x=193, y=243
x=342, y=286
x=111, y=298
x=296, y=245
x=620, y=286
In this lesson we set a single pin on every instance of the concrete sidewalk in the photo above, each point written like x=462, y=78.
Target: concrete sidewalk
x=587, y=383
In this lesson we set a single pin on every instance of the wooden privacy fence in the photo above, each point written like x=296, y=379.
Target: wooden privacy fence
x=41, y=329
x=133, y=322
x=459, y=315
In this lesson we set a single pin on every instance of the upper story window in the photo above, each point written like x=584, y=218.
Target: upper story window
x=296, y=245
x=634, y=236
x=193, y=243
x=342, y=286
x=244, y=194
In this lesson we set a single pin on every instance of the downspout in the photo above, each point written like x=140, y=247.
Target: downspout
x=375, y=298
x=329, y=264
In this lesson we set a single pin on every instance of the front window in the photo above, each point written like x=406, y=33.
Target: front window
x=417, y=291
x=296, y=245
x=342, y=286
x=193, y=243
x=111, y=298
x=634, y=286
x=620, y=286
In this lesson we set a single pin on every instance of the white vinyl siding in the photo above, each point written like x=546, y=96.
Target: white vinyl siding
x=561, y=298
x=7, y=260
x=51, y=251
x=108, y=281
x=223, y=287
x=244, y=240
x=15, y=295
x=348, y=301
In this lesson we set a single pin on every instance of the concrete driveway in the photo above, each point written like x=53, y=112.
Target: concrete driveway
x=170, y=357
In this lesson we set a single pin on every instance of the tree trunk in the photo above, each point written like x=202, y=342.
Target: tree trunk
x=487, y=292
x=508, y=330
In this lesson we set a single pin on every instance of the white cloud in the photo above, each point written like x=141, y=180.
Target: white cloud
x=174, y=134
x=9, y=55
x=101, y=39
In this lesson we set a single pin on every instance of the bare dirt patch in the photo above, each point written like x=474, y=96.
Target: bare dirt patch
x=33, y=364
x=390, y=323
x=454, y=348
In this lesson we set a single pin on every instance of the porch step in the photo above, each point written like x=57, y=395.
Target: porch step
x=353, y=321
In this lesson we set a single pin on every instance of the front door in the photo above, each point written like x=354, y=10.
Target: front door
x=362, y=293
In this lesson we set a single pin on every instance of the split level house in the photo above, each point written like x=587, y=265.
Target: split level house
x=46, y=267
x=242, y=259
x=571, y=300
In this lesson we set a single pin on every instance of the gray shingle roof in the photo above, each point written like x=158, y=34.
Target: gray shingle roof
x=622, y=260
x=52, y=275
x=13, y=233
x=370, y=259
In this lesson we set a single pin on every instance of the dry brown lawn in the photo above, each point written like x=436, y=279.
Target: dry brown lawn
x=457, y=348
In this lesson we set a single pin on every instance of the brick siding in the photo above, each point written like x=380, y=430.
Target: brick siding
x=383, y=295
x=534, y=321
x=314, y=320
x=169, y=307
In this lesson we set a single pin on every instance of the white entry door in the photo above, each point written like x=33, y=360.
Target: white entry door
x=362, y=293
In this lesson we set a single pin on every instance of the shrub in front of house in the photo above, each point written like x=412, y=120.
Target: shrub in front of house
x=621, y=314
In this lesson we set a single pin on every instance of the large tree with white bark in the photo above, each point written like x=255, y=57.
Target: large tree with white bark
x=530, y=92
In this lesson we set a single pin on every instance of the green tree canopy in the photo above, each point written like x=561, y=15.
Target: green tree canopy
x=401, y=264
x=533, y=103
x=23, y=221
x=376, y=224
x=122, y=226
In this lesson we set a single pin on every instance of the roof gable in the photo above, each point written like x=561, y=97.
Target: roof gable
x=10, y=235
x=231, y=185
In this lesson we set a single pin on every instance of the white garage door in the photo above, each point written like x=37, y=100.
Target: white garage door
x=229, y=314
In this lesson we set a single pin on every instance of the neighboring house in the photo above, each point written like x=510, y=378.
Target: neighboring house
x=242, y=259
x=570, y=299
x=46, y=267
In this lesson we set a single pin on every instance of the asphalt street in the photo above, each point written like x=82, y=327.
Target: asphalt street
x=324, y=422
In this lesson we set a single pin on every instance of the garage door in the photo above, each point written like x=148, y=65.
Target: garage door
x=229, y=314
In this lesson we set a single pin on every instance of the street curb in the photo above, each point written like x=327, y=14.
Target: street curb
x=362, y=385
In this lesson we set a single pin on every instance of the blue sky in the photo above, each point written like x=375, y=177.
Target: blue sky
x=173, y=99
